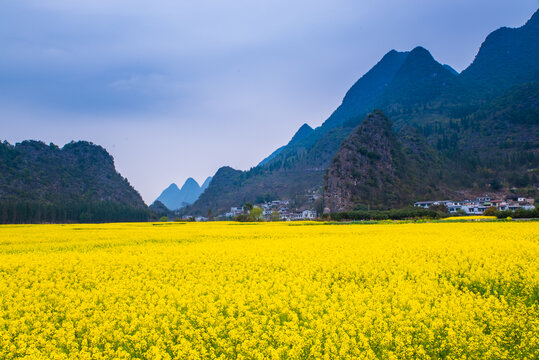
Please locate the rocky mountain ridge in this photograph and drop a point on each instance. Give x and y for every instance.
(440, 106)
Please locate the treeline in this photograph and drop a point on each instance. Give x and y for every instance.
(419, 213)
(518, 214)
(33, 212)
(398, 214)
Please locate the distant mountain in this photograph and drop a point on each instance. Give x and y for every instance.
(174, 198)
(448, 113)
(205, 184)
(45, 183)
(171, 197)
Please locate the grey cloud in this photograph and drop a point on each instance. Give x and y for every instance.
(195, 83)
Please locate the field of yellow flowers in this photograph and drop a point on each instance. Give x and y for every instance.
(270, 291)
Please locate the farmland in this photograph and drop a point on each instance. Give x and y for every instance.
(270, 291)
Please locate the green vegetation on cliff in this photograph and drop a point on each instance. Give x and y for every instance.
(76, 183)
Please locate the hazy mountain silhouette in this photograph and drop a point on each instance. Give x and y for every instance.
(175, 198)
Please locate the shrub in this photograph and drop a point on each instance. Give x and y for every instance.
(491, 211)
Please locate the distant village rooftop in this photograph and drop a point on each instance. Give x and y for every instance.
(481, 204)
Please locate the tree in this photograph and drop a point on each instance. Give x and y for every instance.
(441, 208)
(491, 211)
(163, 219)
(495, 185)
(247, 207)
(460, 212)
(275, 216)
(256, 214)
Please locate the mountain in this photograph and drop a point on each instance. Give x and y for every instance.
(506, 58)
(420, 79)
(158, 208)
(271, 156)
(303, 132)
(45, 183)
(367, 163)
(205, 184)
(378, 168)
(450, 69)
(448, 113)
(189, 192)
(171, 197)
(174, 198)
(362, 96)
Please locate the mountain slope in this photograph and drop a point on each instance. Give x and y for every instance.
(364, 164)
(494, 147)
(171, 197)
(76, 182)
(377, 168)
(440, 107)
(506, 58)
(300, 166)
(399, 81)
(303, 132)
(205, 184)
(271, 156)
(419, 80)
(362, 96)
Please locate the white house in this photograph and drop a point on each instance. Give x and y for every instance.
(236, 211)
(308, 215)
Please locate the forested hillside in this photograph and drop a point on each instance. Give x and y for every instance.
(480, 128)
(45, 183)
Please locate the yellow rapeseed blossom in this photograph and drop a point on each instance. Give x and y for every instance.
(471, 217)
(270, 291)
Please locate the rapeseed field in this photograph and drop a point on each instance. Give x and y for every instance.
(270, 291)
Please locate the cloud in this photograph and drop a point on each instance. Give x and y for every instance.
(201, 80)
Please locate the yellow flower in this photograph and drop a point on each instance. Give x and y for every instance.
(271, 291)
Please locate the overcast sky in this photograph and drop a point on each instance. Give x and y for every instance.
(174, 89)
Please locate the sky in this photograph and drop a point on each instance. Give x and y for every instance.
(177, 89)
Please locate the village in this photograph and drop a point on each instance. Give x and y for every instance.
(283, 210)
(481, 204)
(276, 210)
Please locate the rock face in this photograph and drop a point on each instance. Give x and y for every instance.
(378, 168)
(365, 165)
